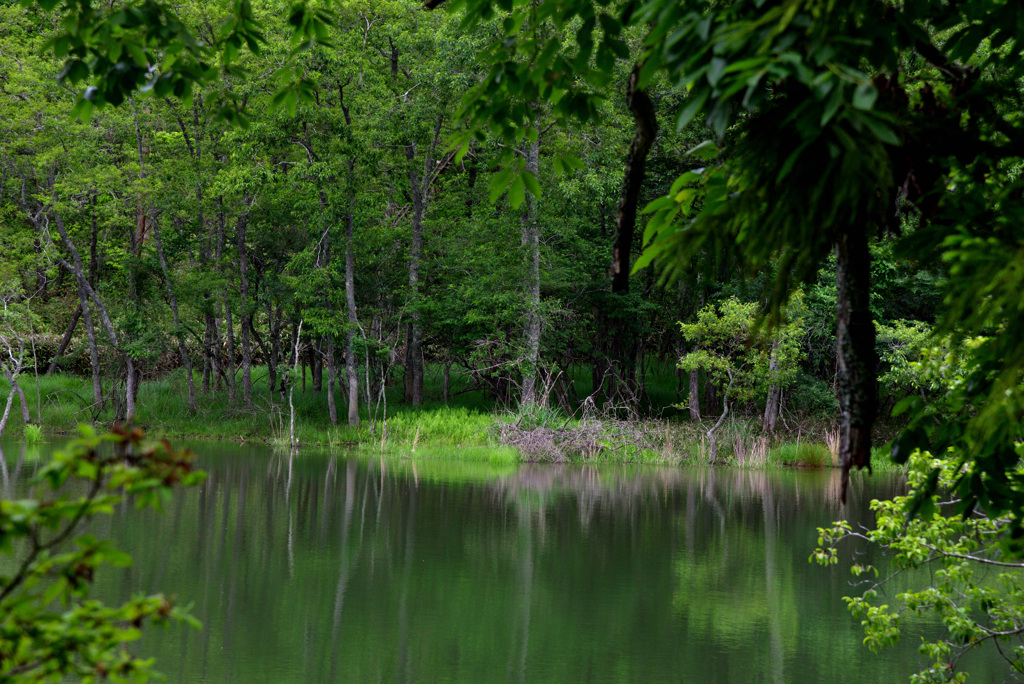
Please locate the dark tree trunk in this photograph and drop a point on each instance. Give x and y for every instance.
(245, 316)
(230, 331)
(855, 338)
(773, 407)
(623, 333)
(274, 333)
(316, 364)
(332, 379)
(83, 284)
(414, 332)
(531, 244)
(350, 305)
(209, 361)
(642, 108)
(66, 340)
(694, 403)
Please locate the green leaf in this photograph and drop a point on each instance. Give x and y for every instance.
(694, 104)
(517, 191)
(706, 150)
(881, 130)
(835, 101)
(864, 96)
(715, 70)
(532, 185)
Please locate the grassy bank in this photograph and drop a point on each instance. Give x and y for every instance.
(468, 424)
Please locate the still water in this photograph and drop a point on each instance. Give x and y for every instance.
(338, 568)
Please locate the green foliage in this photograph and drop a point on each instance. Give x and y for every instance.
(446, 425)
(735, 348)
(49, 627)
(803, 454)
(958, 572)
(33, 433)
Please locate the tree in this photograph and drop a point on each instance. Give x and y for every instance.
(49, 627)
(826, 142)
(744, 360)
(961, 575)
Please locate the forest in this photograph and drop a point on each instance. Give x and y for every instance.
(755, 233)
(181, 244)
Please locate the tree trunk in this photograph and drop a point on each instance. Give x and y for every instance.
(26, 415)
(710, 395)
(773, 407)
(245, 316)
(350, 305)
(694, 395)
(66, 340)
(83, 284)
(228, 320)
(316, 364)
(332, 378)
(209, 361)
(623, 334)
(531, 244)
(7, 412)
(230, 332)
(855, 338)
(418, 186)
(186, 362)
(642, 108)
(414, 332)
(274, 332)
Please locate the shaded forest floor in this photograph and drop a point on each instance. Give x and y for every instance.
(469, 427)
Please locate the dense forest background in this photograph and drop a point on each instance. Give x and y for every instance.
(646, 230)
(336, 228)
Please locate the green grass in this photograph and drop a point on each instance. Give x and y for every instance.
(33, 433)
(801, 454)
(464, 430)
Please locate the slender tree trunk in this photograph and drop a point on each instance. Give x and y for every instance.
(419, 184)
(186, 362)
(773, 407)
(26, 415)
(332, 379)
(209, 362)
(66, 340)
(7, 411)
(316, 364)
(94, 351)
(350, 305)
(858, 361)
(350, 338)
(623, 335)
(291, 406)
(230, 331)
(712, 440)
(414, 332)
(274, 332)
(83, 284)
(531, 244)
(245, 317)
(694, 389)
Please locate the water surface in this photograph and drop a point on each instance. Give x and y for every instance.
(338, 568)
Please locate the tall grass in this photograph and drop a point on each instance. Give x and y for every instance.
(466, 427)
(801, 454)
(33, 433)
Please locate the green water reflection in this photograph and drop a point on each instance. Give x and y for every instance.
(342, 569)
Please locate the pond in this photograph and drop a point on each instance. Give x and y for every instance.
(328, 568)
